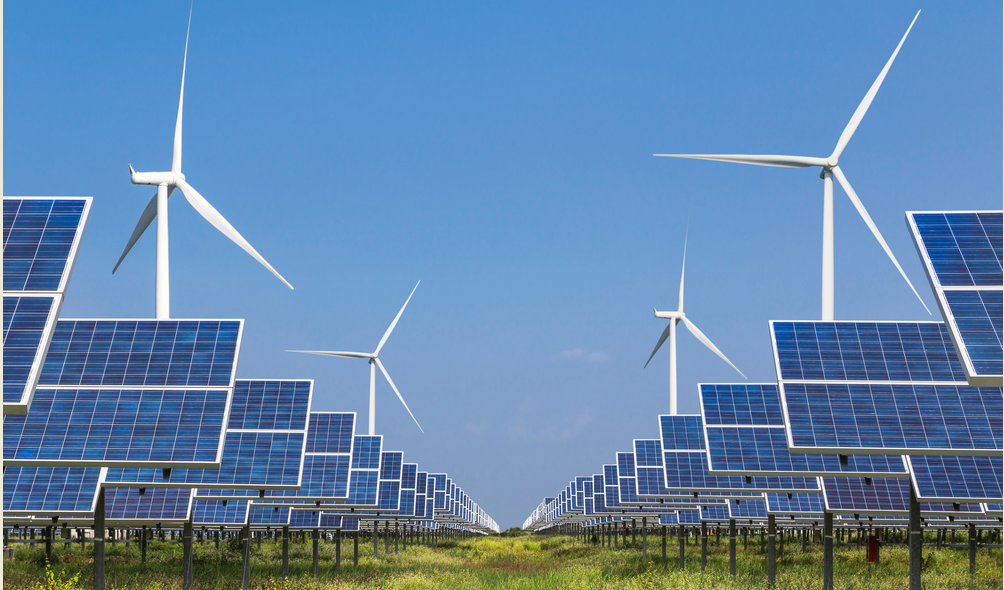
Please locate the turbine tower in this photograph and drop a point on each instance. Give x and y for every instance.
(374, 361)
(670, 332)
(157, 208)
(830, 169)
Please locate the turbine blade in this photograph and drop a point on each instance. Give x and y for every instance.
(866, 102)
(875, 231)
(394, 387)
(149, 214)
(338, 353)
(213, 216)
(707, 342)
(679, 307)
(176, 156)
(390, 329)
(665, 334)
(778, 161)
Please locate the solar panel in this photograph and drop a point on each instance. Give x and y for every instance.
(749, 508)
(260, 450)
(143, 353)
(880, 388)
(882, 496)
(961, 252)
(50, 491)
(125, 506)
(346, 524)
(268, 515)
(746, 436)
(40, 241)
(715, 512)
(389, 493)
(119, 427)
(946, 478)
(796, 504)
(994, 509)
(28, 323)
(220, 513)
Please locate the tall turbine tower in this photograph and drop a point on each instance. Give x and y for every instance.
(157, 207)
(374, 361)
(670, 332)
(830, 169)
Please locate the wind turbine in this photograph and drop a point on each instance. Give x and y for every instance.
(157, 207)
(374, 360)
(670, 332)
(829, 170)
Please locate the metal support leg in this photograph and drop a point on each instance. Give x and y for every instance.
(914, 540)
(704, 545)
(315, 537)
(285, 551)
(186, 542)
(99, 541)
(732, 547)
(663, 546)
(683, 540)
(246, 556)
(972, 552)
(355, 550)
(376, 539)
(772, 536)
(827, 551)
(644, 537)
(338, 549)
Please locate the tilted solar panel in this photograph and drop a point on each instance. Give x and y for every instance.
(746, 509)
(880, 388)
(268, 515)
(962, 253)
(270, 404)
(124, 506)
(28, 323)
(220, 513)
(946, 478)
(50, 491)
(882, 496)
(797, 504)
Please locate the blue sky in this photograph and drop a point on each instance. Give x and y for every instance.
(501, 153)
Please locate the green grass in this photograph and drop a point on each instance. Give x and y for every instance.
(524, 563)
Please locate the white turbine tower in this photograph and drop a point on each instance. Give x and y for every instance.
(829, 170)
(670, 332)
(374, 360)
(157, 207)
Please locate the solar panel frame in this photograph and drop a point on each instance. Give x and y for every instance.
(883, 497)
(80, 225)
(41, 349)
(962, 479)
(952, 253)
(50, 491)
(221, 512)
(164, 506)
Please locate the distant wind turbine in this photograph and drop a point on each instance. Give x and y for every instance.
(374, 360)
(157, 207)
(829, 170)
(670, 332)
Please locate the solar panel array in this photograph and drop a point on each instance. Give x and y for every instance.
(961, 252)
(40, 241)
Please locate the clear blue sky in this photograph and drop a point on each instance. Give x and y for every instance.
(501, 153)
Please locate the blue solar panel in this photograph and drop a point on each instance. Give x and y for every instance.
(651, 481)
(994, 509)
(28, 324)
(324, 477)
(420, 482)
(715, 512)
(755, 404)
(269, 515)
(946, 478)
(894, 418)
(865, 351)
(343, 523)
(648, 453)
(407, 506)
(40, 239)
(136, 428)
(45, 491)
(363, 488)
(330, 432)
(681, 433)
(625, 464)
(270, 405)
(749, 508)
(156, 505)
(366, 452)
(390, 465)
(304, 519)
(218, 512)
(688, 471)
(409, 476)
(852, 495)
(962, 255)
(389, 495)
(183, 353)
(798, 504)
(689, 516)
(977, 316)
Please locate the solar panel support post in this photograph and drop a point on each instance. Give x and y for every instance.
(915, 539)
(644, 537)
(704, 545)
(314, 538)
(732, 547)
(827, 551)
(285, 551)
(186, 544)
(771, 538)
(683, 540)
(664, 546)
(338, 549)
(99, 541)
(386, 538)
(376, 539)
(48, 544)
(246, 556)
(355, 549)
(397, 535)
(634, 534)
(972, 551)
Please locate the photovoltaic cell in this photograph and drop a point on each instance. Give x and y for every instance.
(731, 404)
(330, 432)
(270, 405)
(894, 418)
(947, 478)
(962, 255)
(220, 513)
(48, 491)
(681, 433)
(28, 324)
(409, 476)
(268, 515)
(40, 239)
(715, 512)
(157, 505)
(688, 472)
(325, 477)
(749, 508)
(366, 452)
(797, 504)
(142, 353)
(882, 496)
(129, 428)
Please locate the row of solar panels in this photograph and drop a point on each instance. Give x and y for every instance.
(149, 414)
(861, 413)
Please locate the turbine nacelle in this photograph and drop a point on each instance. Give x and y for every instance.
(155, 178)
(668, 315)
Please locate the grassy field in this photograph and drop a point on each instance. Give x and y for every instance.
(517, 563)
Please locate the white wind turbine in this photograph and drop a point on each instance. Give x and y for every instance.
(670, 332)
(829, 170)
(374, 360)
(157, 207)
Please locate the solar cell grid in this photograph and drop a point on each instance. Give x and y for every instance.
(686, 471)
(330, 432)
(979, 319)
(45, 491)
(681, 433)
(409, 476)
(882, 496)
(28, 324)
(324, 477)
(366, 452)
(217, 512)
(957, 479)
(648, 453)
(157, 505)
(625, 465)
(138, 353)
(268, 515)
(803, 504)
(40, 238)
(129, 428)
(753, 404)
(748, 509)
(270, 405)
(390, 465)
